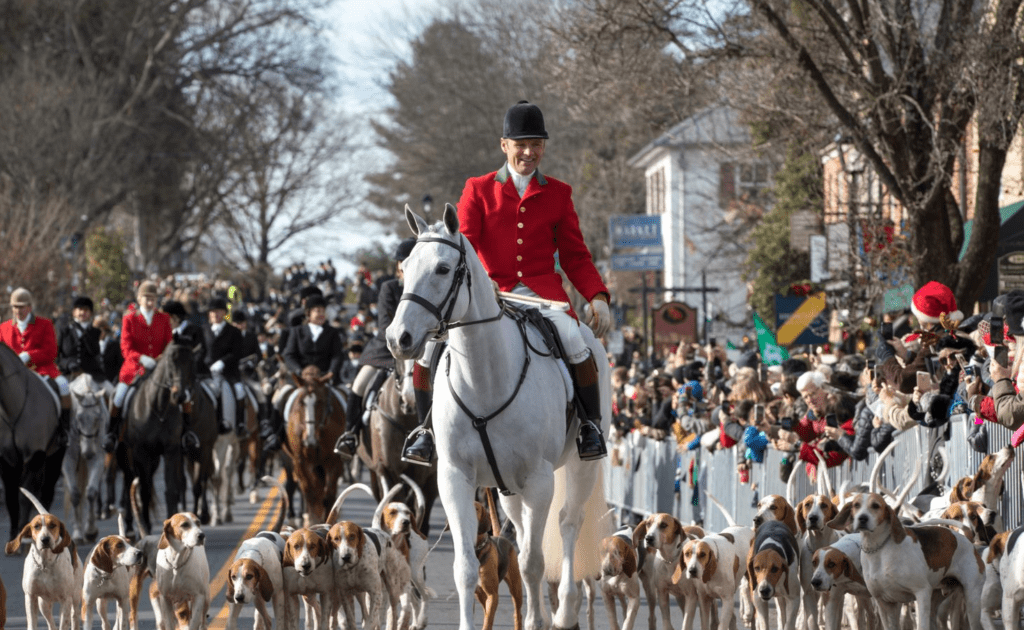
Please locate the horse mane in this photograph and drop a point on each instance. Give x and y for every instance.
(310, 376)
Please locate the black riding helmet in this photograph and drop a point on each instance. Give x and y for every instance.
(523, 120)
(403, 249)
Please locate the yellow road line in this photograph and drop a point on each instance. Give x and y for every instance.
(263, 515)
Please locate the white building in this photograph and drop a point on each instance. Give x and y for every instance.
(707, 185)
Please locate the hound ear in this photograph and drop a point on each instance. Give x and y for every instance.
(15, 544)
(165, 538)
(287, 559)
(65, 540)
(102, 557)
(450, 218)
(895, 526)
(711, 569)
(801, 516)
(842, 520)
(995, 549)
(629, 561)
(790, 519)
(415, 221)
(229, 592)
(639, 534)
(266, 586)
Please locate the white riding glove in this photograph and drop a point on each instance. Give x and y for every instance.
(147, 362)
(24, 357)
(217, 367)
(600, 317)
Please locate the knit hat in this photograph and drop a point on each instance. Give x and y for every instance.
(523, 120)
(931, 301)
(147, 287)
(21, 297)
(82, 302)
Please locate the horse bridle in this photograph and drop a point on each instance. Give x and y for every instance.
(440, 312)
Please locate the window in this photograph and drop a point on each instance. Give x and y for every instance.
(656, 192)
(753, 179)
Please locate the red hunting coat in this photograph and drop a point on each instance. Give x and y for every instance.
(138, 339)
(38, 340)
(516, 238)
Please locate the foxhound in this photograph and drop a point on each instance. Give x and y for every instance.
(773, 569)
(53, 571)
(907, 564)
(182, 573)
(358, 560)
(106, 578)
(620, 578)
(662, 536)
(308, 573)
(714, 564)
(775, 507)
(812, 517)
(837, 572)
(256, 577)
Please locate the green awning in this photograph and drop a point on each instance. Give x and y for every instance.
(1005, 214)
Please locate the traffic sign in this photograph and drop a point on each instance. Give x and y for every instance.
(801, 320)
(638, 262)
(634, 230)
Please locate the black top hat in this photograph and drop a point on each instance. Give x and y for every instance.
(314, 301)
(218, 304)
(172, 307)
(82, 302)
(238, 316)
(305, 292)
(404, 249)
(523, 120)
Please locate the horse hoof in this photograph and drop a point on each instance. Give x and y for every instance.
(229, 518)
(254, 497)
(576, 627)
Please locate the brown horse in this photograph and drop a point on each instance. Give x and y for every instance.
(392, 418)
(315, 421)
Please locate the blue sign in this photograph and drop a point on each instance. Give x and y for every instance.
(638, 262)
(816, 332)
(634, 230)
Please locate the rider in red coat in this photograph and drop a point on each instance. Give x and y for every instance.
(145, 332)
(35, 342)
(518, 220)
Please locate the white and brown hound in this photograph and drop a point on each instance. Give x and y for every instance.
(106, 578)
(773, 570)
(715, 564)
(256, 577)
(182, 575)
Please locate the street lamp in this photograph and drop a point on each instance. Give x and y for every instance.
(428, 204)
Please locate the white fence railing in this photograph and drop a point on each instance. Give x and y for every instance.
(645, 480)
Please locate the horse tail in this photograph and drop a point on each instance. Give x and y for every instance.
(136, 512)
(276, 527)
(587, 560)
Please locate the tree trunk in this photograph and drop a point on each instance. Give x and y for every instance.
(973, 270)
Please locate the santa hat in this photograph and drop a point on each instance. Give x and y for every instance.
(931, 301)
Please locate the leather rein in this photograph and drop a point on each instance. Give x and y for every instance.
(443, 313)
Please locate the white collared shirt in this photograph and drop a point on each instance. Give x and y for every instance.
(520, 181)
(315, 331)
(23, 323)
(148, 316)
(216, 328)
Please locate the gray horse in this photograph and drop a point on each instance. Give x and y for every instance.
(30, 454)
(153, 429)
(83, 462)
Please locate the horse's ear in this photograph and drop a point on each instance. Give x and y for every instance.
(415, 221)
(450, 219)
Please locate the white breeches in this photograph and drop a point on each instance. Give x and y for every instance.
(62, 385)
(576, 349)
(119, 393)
(228, 395)
(363, 379)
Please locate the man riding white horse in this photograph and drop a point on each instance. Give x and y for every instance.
(34, 341)
(517, 220)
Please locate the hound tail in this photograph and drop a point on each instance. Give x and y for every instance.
(721, 508)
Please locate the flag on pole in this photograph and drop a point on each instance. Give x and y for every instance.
(771, 352)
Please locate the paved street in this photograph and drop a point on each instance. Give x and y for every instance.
(222, 542)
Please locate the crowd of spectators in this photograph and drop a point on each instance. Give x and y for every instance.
(914, 369)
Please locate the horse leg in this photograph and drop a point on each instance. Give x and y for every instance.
(12, 497)
(232, 456)
(94, 467)
(110, 467)
(173, 474)
(570, 519)
(457, 496)
(536, 502)
(51, 474)
(69, 470)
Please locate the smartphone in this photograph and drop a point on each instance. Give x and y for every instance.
(924, 382)
(759, 413)
(886, 331)
(712, 342)
(764, 373)
(832, 421)
(786, 423)
(995, 333)
(1000, 354)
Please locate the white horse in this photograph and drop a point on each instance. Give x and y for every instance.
(83, 462)
(490, 369)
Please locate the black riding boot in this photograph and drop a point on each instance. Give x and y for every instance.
(190, 444)
(349, 441)
(240, 429)
(110, 439)
(270, 428)
(64, 428)
(590, 442)
(419, 446)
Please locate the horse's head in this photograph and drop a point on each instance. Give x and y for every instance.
(312, 401)
(176, 370)
(437, 283)
(89, 423)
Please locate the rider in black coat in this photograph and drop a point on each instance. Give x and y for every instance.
(222, 343)
(78, 343)
(326, 351)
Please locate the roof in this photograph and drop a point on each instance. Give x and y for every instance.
(717, 125)
(1005, 214)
